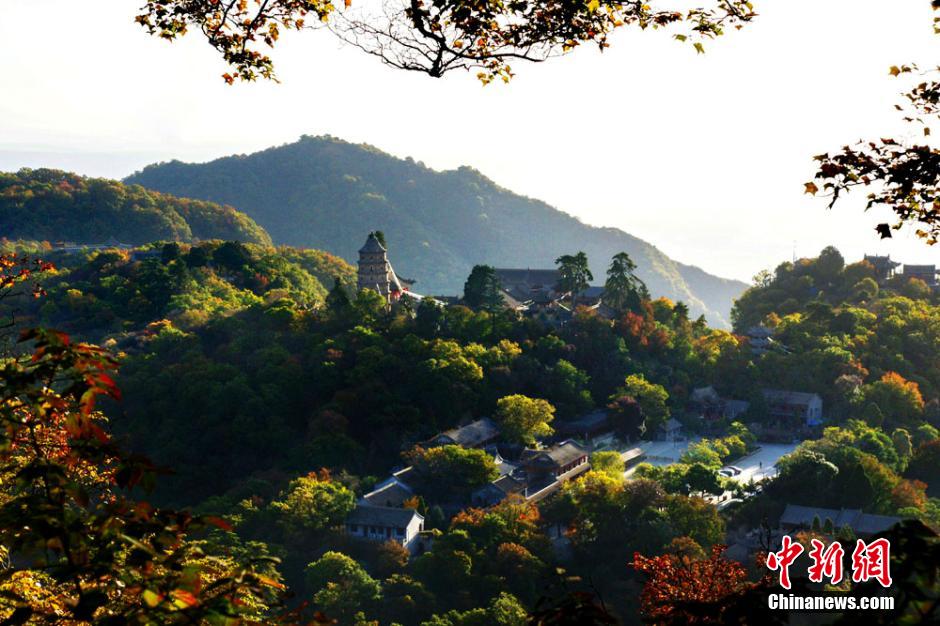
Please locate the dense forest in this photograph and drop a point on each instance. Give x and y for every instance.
(55, 206)
(115, 294)
(204, 424)
(443, 223)
(275, 395)
(831, 317)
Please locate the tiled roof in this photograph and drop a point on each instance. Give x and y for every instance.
(866, 523)
(737, 407)
(759, 331)
(704, 394)
(585, 423)
(672, 424)
(393, 494)
(372, 245)
(789, 397)
(508, 484)
(503, 466)
(881, 260)
(524, 285)
(560, 455)
(473, 434)
(383, 516)
(535, 278)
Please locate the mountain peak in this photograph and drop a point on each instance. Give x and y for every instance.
(325, 192)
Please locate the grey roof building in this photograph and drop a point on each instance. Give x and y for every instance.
(380, 523)
(381, 516)
(473, 435)
(390, 493)
(863, 524)
(671, 429)
(926, 273)
(498, 490)
(525, 284)
(554, 461)
(884, 266)
(805, 407)
(590, 423)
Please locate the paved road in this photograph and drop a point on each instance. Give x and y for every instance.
(757, 466)
(762, 464)
(664, 452)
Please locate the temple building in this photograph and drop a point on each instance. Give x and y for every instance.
(381, 524)
(376, 272)
(523, 287)
(794, 406)
(926, 273)
(884, 266)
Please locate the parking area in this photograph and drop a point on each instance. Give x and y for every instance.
(664, 452)
(762, 464)
(757, 466)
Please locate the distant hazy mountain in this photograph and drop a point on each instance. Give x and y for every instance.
(51, 205)
(327, 193)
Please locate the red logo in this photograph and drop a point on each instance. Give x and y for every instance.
(827, 563)
(784, 559)
(872, 560)
(869, 561)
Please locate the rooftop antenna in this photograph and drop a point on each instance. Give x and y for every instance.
(794, 251)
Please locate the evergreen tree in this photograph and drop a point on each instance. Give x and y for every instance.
(337, 301)
(482, 287)
(170, 252)
(575, 274)
(492, 295)
(624, 289)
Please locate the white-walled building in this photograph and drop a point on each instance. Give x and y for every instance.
(382, 523)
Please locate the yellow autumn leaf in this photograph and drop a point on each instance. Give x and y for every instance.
(151, 598)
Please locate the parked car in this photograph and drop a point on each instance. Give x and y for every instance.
(727, 473)
(733, 471)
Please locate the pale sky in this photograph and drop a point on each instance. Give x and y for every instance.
(704, 156)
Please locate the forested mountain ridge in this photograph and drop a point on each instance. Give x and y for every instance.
(52, 205)
(116, 295)
(325, 193)
(836, 323)
(277, 406)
